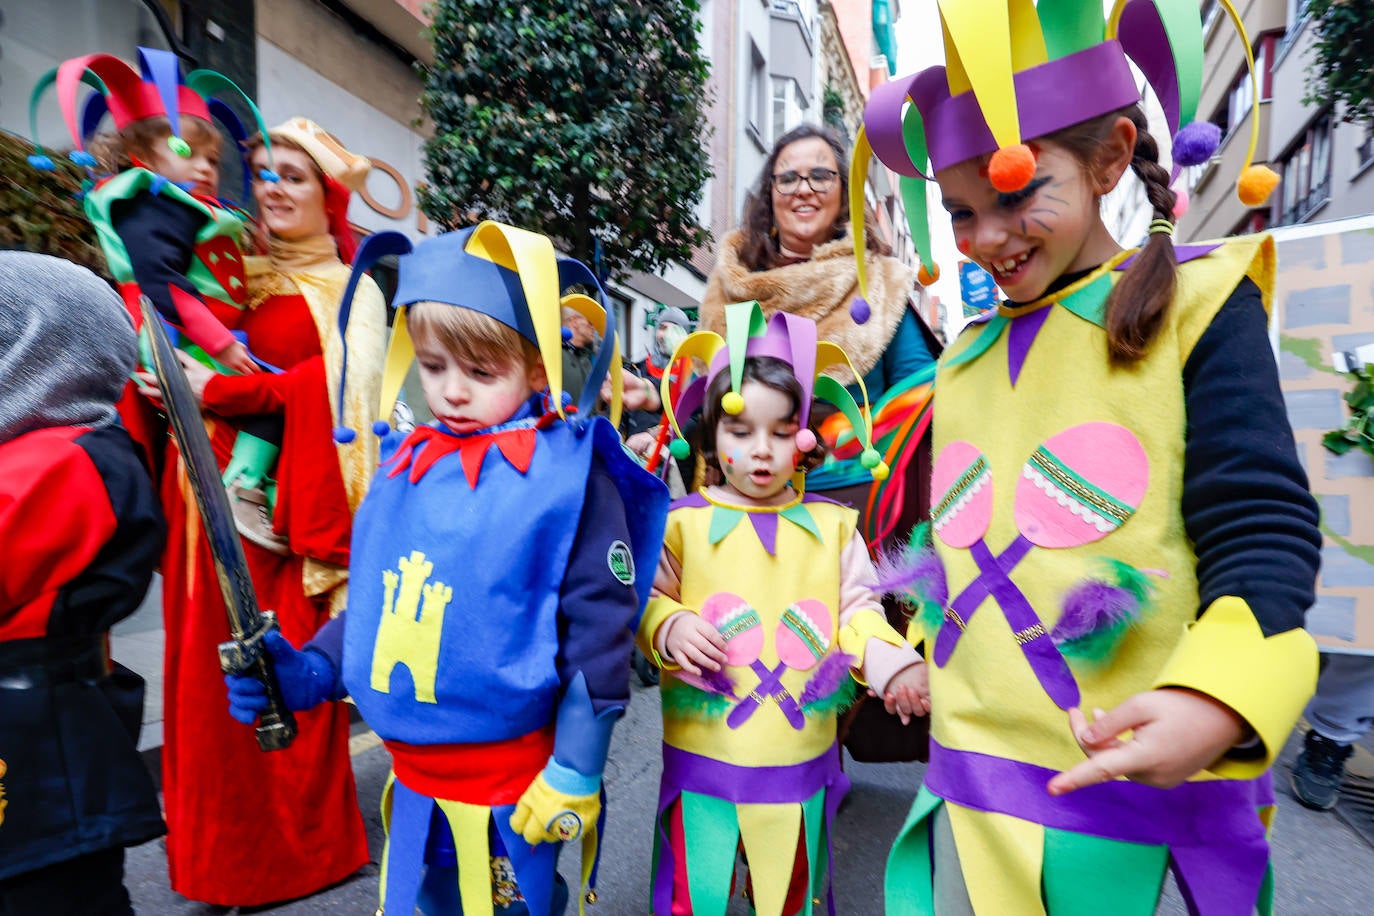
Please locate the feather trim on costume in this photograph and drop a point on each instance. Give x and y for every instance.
(691, 702)
(710, 681)
(841, 699)
(1097, 612)
(830, 678)
(915, 574)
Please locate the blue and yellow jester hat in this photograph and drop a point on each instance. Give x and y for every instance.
(1016, 70)
(510, 274)
(790, 338)
(157, 88)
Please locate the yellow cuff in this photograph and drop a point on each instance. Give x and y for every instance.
(1266, 680)
(854, 636)
(656, 614)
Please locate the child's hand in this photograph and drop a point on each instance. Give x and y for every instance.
(1174, 734)
(908, 693)
(641, 443)
(693, 643)
(235, 356)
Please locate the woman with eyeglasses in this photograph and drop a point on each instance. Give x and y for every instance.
(795, 253)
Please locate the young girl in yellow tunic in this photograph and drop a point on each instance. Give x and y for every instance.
(762, 610)
(1122, 528)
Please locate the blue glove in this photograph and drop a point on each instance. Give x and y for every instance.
(307, 678)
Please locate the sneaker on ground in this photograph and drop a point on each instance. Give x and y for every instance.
(1319, 770)
(254, 519)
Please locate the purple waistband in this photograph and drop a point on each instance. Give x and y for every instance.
(688, 772)
(1217, 845)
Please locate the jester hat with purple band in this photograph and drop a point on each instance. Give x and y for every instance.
(789, 338)
(1017, 70)
(156, 89)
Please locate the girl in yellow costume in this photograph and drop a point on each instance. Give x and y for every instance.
(1121, 525)
(762, 609)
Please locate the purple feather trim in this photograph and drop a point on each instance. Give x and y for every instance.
(913, 571)
(834, 668)
(710, 681)
(1093, 606)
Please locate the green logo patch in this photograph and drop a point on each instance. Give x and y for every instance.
(621, 562)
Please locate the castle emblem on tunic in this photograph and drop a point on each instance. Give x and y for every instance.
(412, 622)
(3, 804)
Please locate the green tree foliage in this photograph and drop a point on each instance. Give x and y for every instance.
(1341, 71)
(581, 119)
(41, 209)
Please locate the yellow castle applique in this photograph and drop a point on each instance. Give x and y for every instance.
(3, 804)
(408, 633)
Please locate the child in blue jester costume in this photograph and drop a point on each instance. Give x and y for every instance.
(762, 619)
(500, 563)
(165, 233)
(1122, 548)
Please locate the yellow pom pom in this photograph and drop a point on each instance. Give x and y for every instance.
(1256, 184)
(1011, 168)
(880, 471)
(732, 403)
(927, 277)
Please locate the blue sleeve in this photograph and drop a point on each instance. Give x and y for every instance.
(159, 237)
(595, 607)
(1246, 505)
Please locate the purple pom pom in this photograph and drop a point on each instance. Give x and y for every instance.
(1196, 142)
(860, 311)
(343, 435)
(567, 334)
(380, 428)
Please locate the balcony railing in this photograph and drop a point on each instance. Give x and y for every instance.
(1303, 208)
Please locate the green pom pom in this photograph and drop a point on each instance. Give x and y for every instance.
(179, 146)
(870, 458)
(679, 449)
(732, 403)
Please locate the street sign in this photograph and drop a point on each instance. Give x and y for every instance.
(977, 289)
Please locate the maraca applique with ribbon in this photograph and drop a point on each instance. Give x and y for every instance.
(804, 638)
(1076, 488)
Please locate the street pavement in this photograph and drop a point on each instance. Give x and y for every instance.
(1324, 867)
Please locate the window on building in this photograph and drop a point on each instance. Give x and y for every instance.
(1306, 172)
(1365, 151)
(789, 105)
(756, 101)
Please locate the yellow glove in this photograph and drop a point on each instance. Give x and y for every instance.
(558, 806)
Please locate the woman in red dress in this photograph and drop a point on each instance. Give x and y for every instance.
(236, 831)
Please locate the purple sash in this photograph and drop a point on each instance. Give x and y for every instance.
(1218, 851)
(684, 771)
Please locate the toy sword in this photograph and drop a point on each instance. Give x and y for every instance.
(242, 654)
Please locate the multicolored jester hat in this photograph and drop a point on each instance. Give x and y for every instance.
(155, 89)
(1017, 70)
(789, 338)
(510, 274)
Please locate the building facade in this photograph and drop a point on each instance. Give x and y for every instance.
(1324, 161)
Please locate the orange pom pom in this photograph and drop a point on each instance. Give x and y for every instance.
(1256, 184)
(927, 277)
(1011, 168)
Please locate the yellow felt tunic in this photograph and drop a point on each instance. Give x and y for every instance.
(804, 567)
(986, 698)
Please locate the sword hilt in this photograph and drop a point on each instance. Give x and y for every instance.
(276, 727)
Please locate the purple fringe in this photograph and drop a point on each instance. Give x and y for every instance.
(1093, 606)
(834, 668)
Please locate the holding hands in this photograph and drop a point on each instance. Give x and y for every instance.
(1174, 734)
(908, 693)
(693, 643)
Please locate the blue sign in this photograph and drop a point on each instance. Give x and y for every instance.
(977, 288)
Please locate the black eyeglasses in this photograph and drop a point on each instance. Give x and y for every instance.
(820, 181)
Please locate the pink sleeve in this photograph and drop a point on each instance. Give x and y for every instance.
(199, 323)
(857, 580)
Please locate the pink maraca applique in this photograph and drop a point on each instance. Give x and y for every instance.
(804, 634)
(738, 623)
(1080, 485)
(961, 494)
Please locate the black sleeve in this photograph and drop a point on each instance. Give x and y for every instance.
(159, 235)
(595, 606)
(1246, 505)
